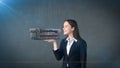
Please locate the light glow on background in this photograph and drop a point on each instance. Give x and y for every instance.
(6, 8)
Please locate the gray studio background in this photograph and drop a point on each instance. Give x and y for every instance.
(98, 23)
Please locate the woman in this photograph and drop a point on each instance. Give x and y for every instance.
(73, 49)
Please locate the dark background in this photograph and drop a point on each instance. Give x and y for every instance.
(98, 20)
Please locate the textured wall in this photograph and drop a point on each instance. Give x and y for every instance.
(98, 23)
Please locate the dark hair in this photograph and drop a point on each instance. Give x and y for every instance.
(73, 23)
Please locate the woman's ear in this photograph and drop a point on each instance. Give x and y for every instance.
(73, 28)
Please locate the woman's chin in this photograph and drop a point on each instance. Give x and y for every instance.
(65, 34)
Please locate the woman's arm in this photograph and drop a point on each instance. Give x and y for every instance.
(58, 52)
(83, 54)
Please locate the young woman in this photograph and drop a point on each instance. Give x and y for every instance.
(73, 49)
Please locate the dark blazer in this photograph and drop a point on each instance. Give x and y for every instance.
(77, 55)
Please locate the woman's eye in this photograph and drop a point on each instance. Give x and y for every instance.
(66, 26)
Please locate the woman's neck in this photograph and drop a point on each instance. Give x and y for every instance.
(70, 36)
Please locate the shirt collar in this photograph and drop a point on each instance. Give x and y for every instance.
(72, 39)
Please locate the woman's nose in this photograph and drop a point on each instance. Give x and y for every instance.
(63, 28)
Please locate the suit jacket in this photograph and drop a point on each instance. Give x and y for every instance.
(77, 55)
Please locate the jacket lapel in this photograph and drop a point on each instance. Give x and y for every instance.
(65, 47)
(72, 47)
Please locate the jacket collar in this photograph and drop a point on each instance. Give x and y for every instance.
(73, 39)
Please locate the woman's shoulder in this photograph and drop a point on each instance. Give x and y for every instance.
(82, 41)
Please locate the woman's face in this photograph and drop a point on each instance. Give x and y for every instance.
(67, 29)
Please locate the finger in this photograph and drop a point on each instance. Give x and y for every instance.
(46, 40)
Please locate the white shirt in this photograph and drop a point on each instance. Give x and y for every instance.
(69, 44)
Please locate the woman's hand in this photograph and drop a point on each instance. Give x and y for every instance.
(50, 40)
(55, 46)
